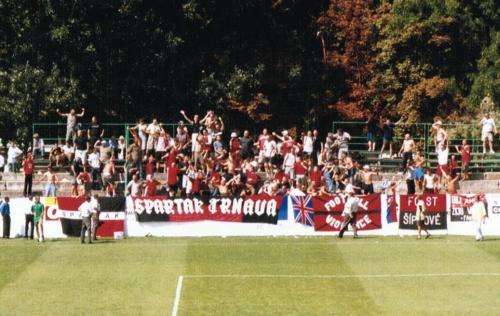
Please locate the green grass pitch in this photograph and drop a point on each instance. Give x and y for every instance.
(252, 276)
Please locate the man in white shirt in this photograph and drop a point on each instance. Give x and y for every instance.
(94, 161)
(12, 155)
(350, 210)
(488, 130)
(479, 215)
(134, 186)
(85, 212)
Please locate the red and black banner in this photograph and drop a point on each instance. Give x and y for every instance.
(435, 211)
(461, 205)
(252, 209)
(111, 217)
(328, 212)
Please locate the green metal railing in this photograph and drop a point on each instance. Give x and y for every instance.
(421, 133)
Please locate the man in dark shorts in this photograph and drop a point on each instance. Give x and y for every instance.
(387, 135)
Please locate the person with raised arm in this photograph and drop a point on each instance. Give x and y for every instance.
(71, 123)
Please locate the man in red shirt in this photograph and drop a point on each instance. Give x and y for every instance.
(172, 172)
(150, 185)
(301, 169)
(28, 174)
(252, 179)
(464, 152)
(316, 176)
(84, 178)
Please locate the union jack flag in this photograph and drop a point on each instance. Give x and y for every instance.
(303, 210)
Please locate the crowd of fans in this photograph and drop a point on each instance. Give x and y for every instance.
(200, 159)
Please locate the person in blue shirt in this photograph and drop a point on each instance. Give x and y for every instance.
(5, 211)
(387, 135)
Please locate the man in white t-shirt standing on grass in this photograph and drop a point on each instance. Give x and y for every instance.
(479, 215)
(488, 131)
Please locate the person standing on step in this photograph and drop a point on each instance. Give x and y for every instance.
(464, 152)
(71, 123)
(407, 149)
(28, 174)
(488, 131)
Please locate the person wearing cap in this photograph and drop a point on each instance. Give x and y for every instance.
(38, 146)
(488, 131)
(441, 134)
(349, 213)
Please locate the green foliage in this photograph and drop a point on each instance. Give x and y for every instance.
(487, 80)
(248, 60)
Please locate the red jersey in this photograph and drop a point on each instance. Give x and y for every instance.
(84, 176)
(151, 187)
(465, 155)
(170, 159)
(316, 176)
(234, 144)
(252, 177)
(195, 185)
(299, 168)
(281, 176)
(287, 147)
(172, 175)
(150, 168)
(28, 166)
(215, 177)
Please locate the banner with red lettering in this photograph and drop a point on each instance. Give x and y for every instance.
(461, 205)
(435, 211)
(328, 212)
(251, 209)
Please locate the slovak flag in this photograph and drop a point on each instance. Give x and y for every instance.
(392, 215)
(303, 210)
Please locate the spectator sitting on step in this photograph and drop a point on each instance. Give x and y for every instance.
(55, 155)
(38, 146)
(68, 152)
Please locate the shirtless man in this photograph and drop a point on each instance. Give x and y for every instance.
(407, 149)
(441, 134)
(108, 173)
(52, 179)
(368, 180)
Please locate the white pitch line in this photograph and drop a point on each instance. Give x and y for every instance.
(177, 299)
(341, 276)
